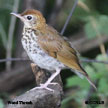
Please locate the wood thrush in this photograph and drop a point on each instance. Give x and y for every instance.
(47, 48)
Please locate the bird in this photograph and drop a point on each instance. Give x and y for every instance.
(47, 48)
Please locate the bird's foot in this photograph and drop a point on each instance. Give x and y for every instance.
(42, 87)
(53, 83)
(45, 86)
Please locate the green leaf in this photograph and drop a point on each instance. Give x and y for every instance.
(1, 103)
(100, 67)
(93, 74)
(76, 81)
(98, 107)
(103, 23)
(90, 70)
(103, 86)
(89, 30)
(96, 25)
(102, 57)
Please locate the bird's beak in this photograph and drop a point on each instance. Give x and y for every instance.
(17, 15)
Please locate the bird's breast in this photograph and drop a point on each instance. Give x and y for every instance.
(36, 54)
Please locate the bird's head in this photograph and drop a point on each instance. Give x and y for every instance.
(31, 18)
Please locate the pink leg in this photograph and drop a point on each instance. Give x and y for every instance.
(49, 80)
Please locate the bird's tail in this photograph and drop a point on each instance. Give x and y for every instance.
(87, 77)
(93, 85)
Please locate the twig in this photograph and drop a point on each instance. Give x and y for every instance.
(69, 17)
(13, 59)
(38, 98)
(48, 99)
(25, 59)
(42, 75)
(10, 36)
(94, 61)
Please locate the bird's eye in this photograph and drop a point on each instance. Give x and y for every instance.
(29, 17)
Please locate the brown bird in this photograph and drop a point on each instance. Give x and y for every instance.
(47, 48)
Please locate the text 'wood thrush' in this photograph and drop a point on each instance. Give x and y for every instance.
(47, 48)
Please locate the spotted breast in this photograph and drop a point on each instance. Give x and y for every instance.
(36, 54)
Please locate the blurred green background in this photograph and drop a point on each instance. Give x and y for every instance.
(88, 32)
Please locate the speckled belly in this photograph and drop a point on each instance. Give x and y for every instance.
(38, 56)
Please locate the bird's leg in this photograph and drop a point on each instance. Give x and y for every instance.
(48, 82)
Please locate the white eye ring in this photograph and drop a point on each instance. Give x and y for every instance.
(29, 17)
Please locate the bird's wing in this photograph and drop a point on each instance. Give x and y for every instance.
(57, 47)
